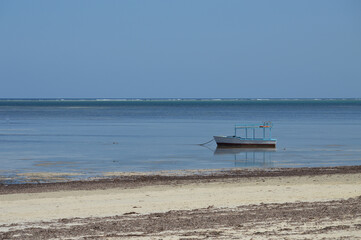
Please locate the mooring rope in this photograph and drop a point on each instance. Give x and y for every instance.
(206, 142)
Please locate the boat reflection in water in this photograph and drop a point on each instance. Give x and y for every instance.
(247, 157)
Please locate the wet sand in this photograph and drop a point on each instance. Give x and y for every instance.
(303, 203)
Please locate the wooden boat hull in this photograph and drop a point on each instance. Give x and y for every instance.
(231, 141)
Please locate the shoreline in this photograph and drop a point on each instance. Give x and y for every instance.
(293, 203)
(138, 179)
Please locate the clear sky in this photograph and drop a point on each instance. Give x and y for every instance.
(187, 48)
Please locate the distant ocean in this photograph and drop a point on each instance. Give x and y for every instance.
(92, 136)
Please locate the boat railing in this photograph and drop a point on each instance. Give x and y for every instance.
(253, 127)
(264, 125)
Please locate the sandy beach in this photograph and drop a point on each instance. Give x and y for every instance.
(303, 203)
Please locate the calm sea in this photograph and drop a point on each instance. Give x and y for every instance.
(92, 136)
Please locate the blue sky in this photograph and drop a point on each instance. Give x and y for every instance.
(163, 49)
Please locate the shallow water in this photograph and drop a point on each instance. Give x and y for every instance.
(94, 136)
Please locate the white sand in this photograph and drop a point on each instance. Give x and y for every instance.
(25, 207)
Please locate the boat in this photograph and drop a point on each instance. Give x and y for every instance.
(247, 141)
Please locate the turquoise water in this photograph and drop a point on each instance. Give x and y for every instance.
(92, 136)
